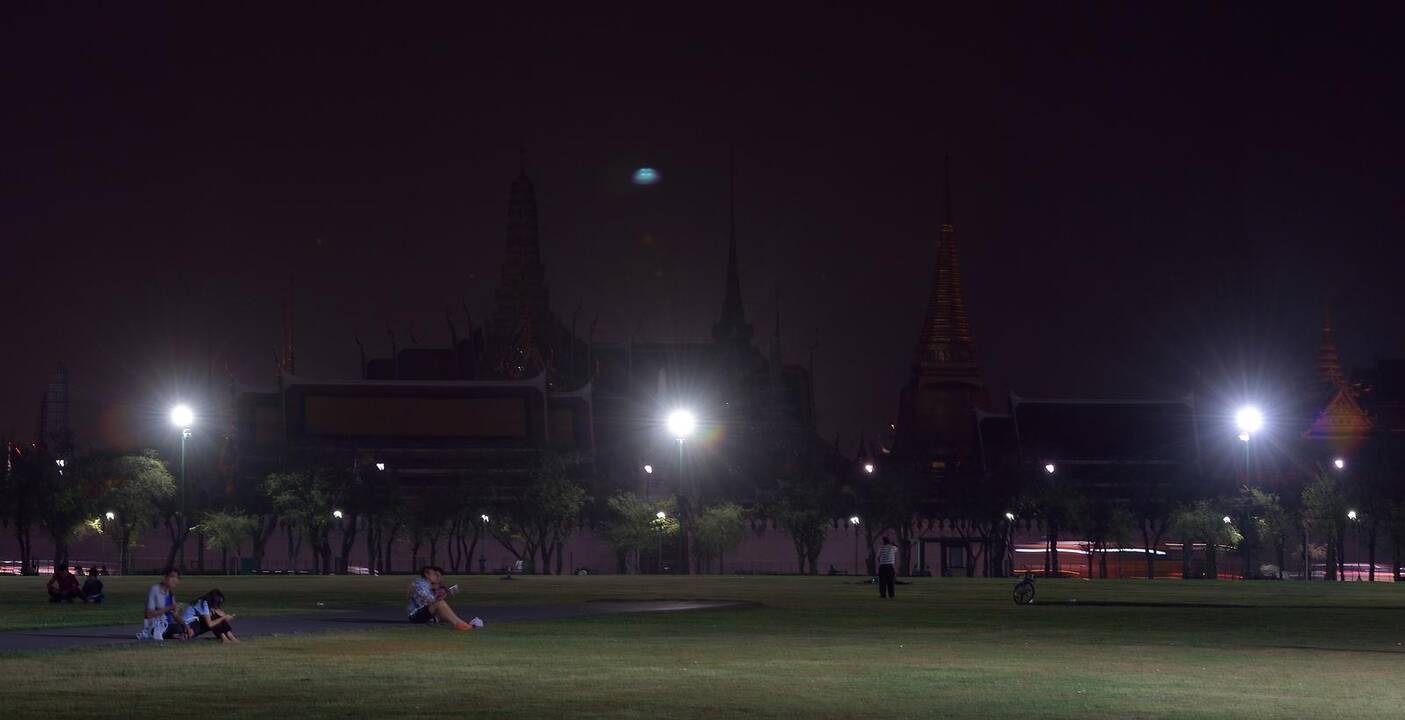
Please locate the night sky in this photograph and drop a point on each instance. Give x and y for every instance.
(168, 174)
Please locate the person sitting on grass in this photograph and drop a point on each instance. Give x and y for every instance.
(427, 603)
(206, 614)
(92, 588)
(162, 623)
(63, 586)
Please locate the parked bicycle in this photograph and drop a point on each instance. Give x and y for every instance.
(1024, 590)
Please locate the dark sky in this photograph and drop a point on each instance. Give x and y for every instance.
(166, 174)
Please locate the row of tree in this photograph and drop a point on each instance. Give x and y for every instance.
(328, 503)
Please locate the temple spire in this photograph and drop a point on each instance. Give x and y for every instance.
(947, 224)
(732, 325)
(522, 302)
(946, 331)
(1329, 363)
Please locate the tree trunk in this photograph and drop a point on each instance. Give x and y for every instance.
(263, 531)
(178, 535)
(348, 539)
(1371, 555)
(25, 541)
(1212, 569)
(200, 551)
(1395, 559)
(1307, 558)
(1102, 562)
(1330, 573)
(1187, 547)
(124, 552)
(1092, 553)
(373, 544)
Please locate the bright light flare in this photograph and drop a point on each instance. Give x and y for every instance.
(1010, 516)
(337, 514)
(681, 423)
(182, 416)
(853, 519)
(1340, 463)
(646, 176)
(110, 516)
(1351, 515)
(648, 469)
(1227, 520)
(1248, 419)
(1049, 468)
(868, 468)
(661, 515)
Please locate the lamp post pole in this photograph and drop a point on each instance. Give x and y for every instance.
(185, 433)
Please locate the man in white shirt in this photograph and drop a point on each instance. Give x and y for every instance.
(161, 620)
(887, 569)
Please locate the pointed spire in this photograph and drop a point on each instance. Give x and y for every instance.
(948, 225)
(522, 306)
(732, 325)
(1329, 363)
(946, 331)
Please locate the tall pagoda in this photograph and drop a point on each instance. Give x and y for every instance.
(936, 418)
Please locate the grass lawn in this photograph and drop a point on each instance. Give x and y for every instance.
(811, 647)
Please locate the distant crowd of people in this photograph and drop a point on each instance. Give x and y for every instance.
(166, 619)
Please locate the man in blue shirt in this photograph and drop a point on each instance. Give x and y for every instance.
(426, 601)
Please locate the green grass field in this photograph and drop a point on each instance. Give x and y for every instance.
(808, 647)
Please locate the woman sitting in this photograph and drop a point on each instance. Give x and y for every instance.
(206, 614)
(427, 604)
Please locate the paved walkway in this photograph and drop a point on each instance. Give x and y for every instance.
(343, 619)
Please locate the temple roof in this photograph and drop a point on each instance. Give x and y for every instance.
(946, 332)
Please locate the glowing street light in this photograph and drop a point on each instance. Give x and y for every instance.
(1340, 463)
(648, 469)
(337, 514)
(1351, 515)
(182, 416)
(661, 515)
(484, 518)
(868, 468)
(1009, 516)
(681, 424)
(110, 516)
(1049, 468)
(1249, 420)
(1227, 520)
(380, 466)
(853, 519)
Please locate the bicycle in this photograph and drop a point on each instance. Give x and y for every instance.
(1024, 590)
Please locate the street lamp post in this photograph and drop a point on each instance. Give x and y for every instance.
(1350, 515)
(854, 520)
(1248, 420)
(183, 417)
(660, 517)
(681, 423)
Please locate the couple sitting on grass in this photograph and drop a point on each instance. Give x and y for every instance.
(167, 619)
(427, 600)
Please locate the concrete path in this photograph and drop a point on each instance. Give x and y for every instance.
(343, 619)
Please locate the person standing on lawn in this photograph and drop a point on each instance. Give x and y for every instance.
(887, 569)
